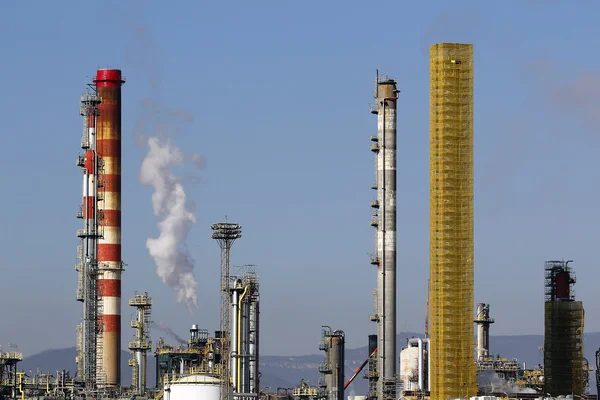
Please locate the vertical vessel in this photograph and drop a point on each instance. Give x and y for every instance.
(483, 321)
(386, 96)
(108, 84)
(245, 331)
(332, 368)
(453, 366)
(564, 372)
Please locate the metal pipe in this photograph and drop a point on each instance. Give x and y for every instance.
(421, 345)
(253, 363)
(244, 347)
(359, 369)
(239, 338)
(234, 332)
(421, 372)
(428, 365)
(141, 371)
(251, 345)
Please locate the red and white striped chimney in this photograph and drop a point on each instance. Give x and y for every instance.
(108, 144)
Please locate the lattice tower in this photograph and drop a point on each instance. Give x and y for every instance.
(225, 234)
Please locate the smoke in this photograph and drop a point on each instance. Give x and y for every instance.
(155, 130)
(490, 382)
(580, 97)
(571, 92)
(173, 263)
(164, 328)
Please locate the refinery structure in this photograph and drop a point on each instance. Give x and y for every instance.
(451, 360)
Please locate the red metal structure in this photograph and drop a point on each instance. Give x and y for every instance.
(562, 281)
(359, 369)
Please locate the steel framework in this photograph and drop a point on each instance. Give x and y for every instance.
(453, 366)
(9, 376)
(142, 343)
(225, 234)
(89, 369)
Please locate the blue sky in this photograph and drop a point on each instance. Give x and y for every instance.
(279, 94)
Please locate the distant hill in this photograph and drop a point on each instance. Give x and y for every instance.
(287, 371)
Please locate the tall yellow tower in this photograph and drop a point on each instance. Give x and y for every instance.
(453, 370)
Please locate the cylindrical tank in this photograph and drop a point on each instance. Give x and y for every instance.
(108, 143)
(409, 367)
(193, 387)
(335, 352)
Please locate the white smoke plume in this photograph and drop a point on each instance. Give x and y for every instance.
(490, 382)
(154, 129)
(169, 201)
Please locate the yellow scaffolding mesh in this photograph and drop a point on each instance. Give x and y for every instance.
(563, 348)
(453, 368)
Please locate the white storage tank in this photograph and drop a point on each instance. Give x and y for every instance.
(409, 367)
(194, 387)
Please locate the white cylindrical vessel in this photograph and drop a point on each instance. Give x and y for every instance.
(195, 387)
(409, 367)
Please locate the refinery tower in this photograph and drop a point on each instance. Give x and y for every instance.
(100, 265)
(384, 221)
(453, 371)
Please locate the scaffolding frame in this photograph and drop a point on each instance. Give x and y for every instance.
(453, 369)
(564, 364)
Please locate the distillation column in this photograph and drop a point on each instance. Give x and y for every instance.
(142, 344)
(386, 96)
(253, 310)
(236, 291)
(108, 83)
(333, 344)
(483, 322)
(249, 330)
(244, 332)
(453, 369)
(87, 258)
